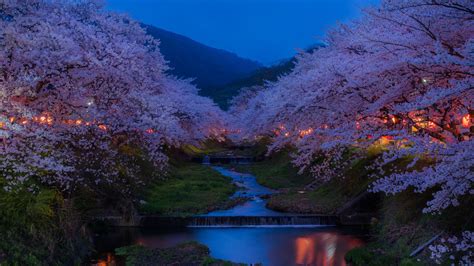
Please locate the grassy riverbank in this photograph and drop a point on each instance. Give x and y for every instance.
(189, 253)
(188, 189)
(326, 198)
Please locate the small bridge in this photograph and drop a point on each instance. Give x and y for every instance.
(225, 160)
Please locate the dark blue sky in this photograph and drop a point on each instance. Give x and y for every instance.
(263, 30)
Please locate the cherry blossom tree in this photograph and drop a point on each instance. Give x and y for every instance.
(403, 75)
(462, 245)
(77, 85)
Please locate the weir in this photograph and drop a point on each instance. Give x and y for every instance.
(263, 221)
(224, 221)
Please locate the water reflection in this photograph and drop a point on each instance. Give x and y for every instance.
(270, 246)
(325, 249)
(107, 259)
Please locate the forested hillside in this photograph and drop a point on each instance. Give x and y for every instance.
(209, 66)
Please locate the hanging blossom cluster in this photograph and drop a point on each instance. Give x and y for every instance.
(78, 85)
(463, 245)
(403, 76)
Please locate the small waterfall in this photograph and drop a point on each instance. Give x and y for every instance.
(206, 160)
(262, 221)
(225, 221)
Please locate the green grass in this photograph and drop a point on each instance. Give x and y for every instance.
(189, 189)
(325, 199)
(188, 253)
(328, 197)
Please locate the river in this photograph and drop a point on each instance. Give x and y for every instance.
(288, 245)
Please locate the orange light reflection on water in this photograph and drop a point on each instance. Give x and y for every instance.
(109, 261)
(323, 249)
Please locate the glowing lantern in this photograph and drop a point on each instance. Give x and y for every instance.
(306, 132)
(78, 122)
(466, 121)
(103, 127)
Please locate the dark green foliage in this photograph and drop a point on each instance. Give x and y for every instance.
(365, 257)
(223, 94)
(39, 228)
(403, 227)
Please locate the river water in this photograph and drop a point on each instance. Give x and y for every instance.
(277, 246)
(248, 188)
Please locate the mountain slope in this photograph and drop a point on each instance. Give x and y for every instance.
(209, 66)
(223, 94)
